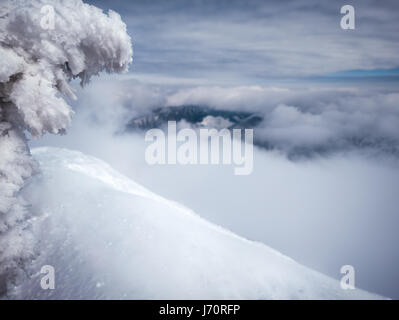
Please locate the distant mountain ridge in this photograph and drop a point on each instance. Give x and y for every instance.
(195, 115)
(199, 116)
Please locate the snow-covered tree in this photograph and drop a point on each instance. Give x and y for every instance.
(44, 45)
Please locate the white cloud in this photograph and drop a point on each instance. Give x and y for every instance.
(260, 39)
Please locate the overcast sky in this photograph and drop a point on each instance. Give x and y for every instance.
(257, 40)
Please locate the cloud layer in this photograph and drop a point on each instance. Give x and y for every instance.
(324, 211)
(257, 40)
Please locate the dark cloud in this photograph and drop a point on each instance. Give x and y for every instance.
(258, 39)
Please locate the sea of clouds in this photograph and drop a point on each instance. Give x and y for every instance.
(325, 209)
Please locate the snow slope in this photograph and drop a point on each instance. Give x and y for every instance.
(108, 237)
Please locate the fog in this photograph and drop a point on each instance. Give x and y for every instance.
(324, 211)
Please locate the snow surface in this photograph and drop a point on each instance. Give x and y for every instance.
(110, 238)
(36, 65)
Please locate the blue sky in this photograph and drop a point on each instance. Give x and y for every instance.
(256, 41)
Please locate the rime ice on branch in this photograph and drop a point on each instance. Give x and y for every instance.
(36, 66)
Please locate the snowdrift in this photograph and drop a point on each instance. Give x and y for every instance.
(110, 238)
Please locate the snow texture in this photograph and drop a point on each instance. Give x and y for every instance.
(38, 60)
(108, 237)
